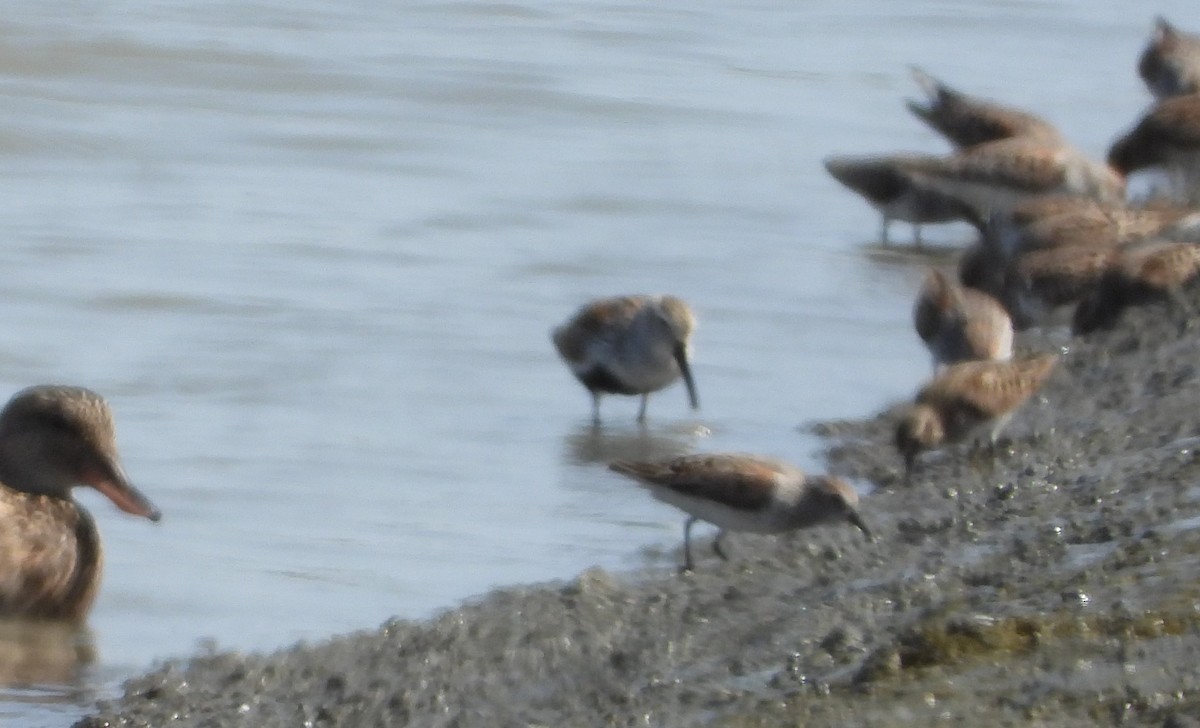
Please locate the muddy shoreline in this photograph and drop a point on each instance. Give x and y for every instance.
(1053, 585)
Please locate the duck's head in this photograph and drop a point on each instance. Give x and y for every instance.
(54, 437)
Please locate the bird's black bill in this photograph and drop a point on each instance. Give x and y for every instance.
(685, 369)
(861, 525)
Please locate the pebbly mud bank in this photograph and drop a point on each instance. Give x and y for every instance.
(1055, 584)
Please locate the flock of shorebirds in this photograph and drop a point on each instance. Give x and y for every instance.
(1056, 232)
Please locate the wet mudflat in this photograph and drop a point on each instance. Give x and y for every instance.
(1055, 585)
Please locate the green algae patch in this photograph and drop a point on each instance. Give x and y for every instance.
(954, 641)
(955, 666)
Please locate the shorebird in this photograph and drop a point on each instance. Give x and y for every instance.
(53, 438)
(1040, 282)
(1111, 227)
(960, 324)
(1136, 274)
(996, 176)
(745, 493)
(629, 345)
(884, 182)
(967, 398)
(1166, 139)
(967, 121)
(976, 183)
(1170, 65)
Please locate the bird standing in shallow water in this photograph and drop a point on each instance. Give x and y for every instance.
(629, 345)
(744, 493)
(53, 438)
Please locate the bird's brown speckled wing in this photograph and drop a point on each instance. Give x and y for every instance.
(49, 557)
(738, 481)
(1016, 163)
(1063, 275)
(991, 388)
(1161, 265)
(594, 320)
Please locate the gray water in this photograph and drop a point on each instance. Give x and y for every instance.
(311, 252)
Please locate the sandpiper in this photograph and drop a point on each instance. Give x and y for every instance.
(1139, 273)
(738, 492)
(1170, 65)
(960, 324)
(1039, 283)
(53, 438)
(1101, 228)
(883, 181)
(629, 345)
(998, 175)
(967, 121)
(966, 398)
(1166, 139)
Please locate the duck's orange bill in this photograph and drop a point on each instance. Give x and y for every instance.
(124, 495)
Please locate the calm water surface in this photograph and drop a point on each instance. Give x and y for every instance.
(312, 252)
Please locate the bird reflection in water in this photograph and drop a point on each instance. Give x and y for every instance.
(591, 444)
(49, 656)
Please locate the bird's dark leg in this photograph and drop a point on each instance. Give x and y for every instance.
(717, 548)
(687, 543)
(1181, 302)
(596, 408)
(642, 409)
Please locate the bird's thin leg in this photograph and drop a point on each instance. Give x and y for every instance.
(917, 236)
(883, 231)
(642, 409)
(1180, 301)
(687, 543)
(596, 408)
(718, 549)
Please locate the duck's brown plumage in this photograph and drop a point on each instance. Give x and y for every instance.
(52, 438)
(50, 557)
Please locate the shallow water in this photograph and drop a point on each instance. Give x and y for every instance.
(312, 255)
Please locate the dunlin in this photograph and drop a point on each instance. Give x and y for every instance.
(996, 176)
(1167, 139)
(1117, 225)
(1170, 65)
(884, 182)
(1040, 282)
(967, 121)
(967, 398)
(629, 345)
(960, 324)
(1139, 273)
(1005, 229)
(53, 438)
(745, 493)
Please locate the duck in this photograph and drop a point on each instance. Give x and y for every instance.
(52, 439)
